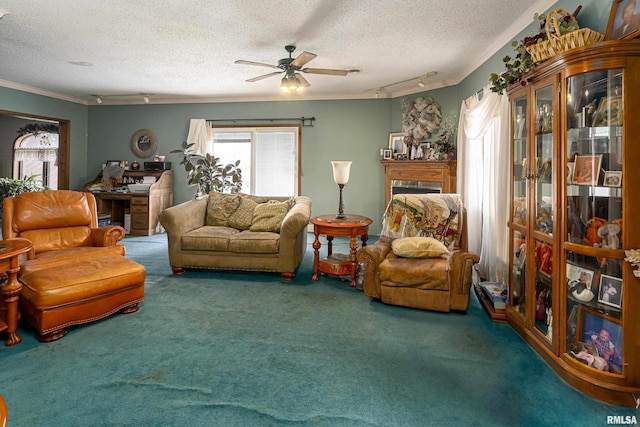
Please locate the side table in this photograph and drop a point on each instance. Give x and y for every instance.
(330, 226)
(10, 251)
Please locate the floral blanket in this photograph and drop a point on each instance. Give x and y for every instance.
(427, 215)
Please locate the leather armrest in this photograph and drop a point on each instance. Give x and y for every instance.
(460, 264)
(109, 235)
(372, 256)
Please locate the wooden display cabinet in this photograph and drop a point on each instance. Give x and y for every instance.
(574, 212)
(144, 208)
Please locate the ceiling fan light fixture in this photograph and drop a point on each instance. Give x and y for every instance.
(290, 83)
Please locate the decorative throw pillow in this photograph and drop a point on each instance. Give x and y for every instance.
(268, 216)
(242, 217)
(418, 247)
(220, 207)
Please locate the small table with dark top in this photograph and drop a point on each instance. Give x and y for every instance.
(10, 251)
(330, 226)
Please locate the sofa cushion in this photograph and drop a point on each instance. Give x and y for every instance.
(208, 238)
(418, 247)
(220, 207)
(242, 217)
(268, 216)
(410, 272)
(255, 242)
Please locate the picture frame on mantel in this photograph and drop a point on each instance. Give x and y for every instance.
(396, 143)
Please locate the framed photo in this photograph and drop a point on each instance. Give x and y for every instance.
(604, 334)
(396, 143)
(624, 20)
(387, 154)
(609, 111)
(580, 283)
(613, 178)
(586, 170)
(610, 291)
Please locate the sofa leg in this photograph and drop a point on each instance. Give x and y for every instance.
(287, 276)
(53, 336)
(130, 309)
(178, 270)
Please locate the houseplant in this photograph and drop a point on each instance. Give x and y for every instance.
(517, 67)
(208, 173)
(10, 187)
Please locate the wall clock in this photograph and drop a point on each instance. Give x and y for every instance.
(144, 143)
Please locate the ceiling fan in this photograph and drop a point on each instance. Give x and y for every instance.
(292, 79)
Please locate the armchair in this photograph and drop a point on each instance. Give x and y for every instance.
(62, 225)
(76, 272)
(440, 283)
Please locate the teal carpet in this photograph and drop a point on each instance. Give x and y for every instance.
(223, 349)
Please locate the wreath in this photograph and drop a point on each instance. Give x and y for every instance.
(421, 119)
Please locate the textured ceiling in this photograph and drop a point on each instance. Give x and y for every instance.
(184, 50)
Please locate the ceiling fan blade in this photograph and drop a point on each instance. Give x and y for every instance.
(325, 71)
(302, 80)
(259, 64)
(303, 58)
(264, 76)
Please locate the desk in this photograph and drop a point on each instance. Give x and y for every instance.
(328, 225)
(144, 208)
(10, 251)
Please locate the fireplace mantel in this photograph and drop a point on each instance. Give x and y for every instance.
(442, 172)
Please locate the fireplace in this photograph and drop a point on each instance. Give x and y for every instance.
(399, 186)
(418, 176)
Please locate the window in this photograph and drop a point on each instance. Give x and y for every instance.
(269, 157)
(37, 154)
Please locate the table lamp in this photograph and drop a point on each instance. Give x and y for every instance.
(341, 177)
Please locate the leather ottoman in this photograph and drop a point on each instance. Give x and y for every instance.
(82, 292)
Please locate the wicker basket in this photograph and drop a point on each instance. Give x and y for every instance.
(556, 43)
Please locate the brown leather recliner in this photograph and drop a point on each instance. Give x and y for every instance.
(76, 272)
(442, 283)
(62, 225)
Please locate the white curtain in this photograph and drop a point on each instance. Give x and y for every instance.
(483, 179)
(37, 154)
(200, 134)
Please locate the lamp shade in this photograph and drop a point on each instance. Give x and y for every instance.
(341, 171)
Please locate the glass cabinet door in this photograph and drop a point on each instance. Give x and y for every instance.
(593, 252)
(520, 204)
(544, 205)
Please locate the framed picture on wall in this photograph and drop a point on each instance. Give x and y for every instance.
(624, 20)
(396, 143)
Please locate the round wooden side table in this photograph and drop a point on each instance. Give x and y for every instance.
(10, 251)
(330, 226)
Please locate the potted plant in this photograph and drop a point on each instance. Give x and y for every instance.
(208, 173)
(10, 187)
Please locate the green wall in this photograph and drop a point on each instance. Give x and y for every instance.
(343, 130)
